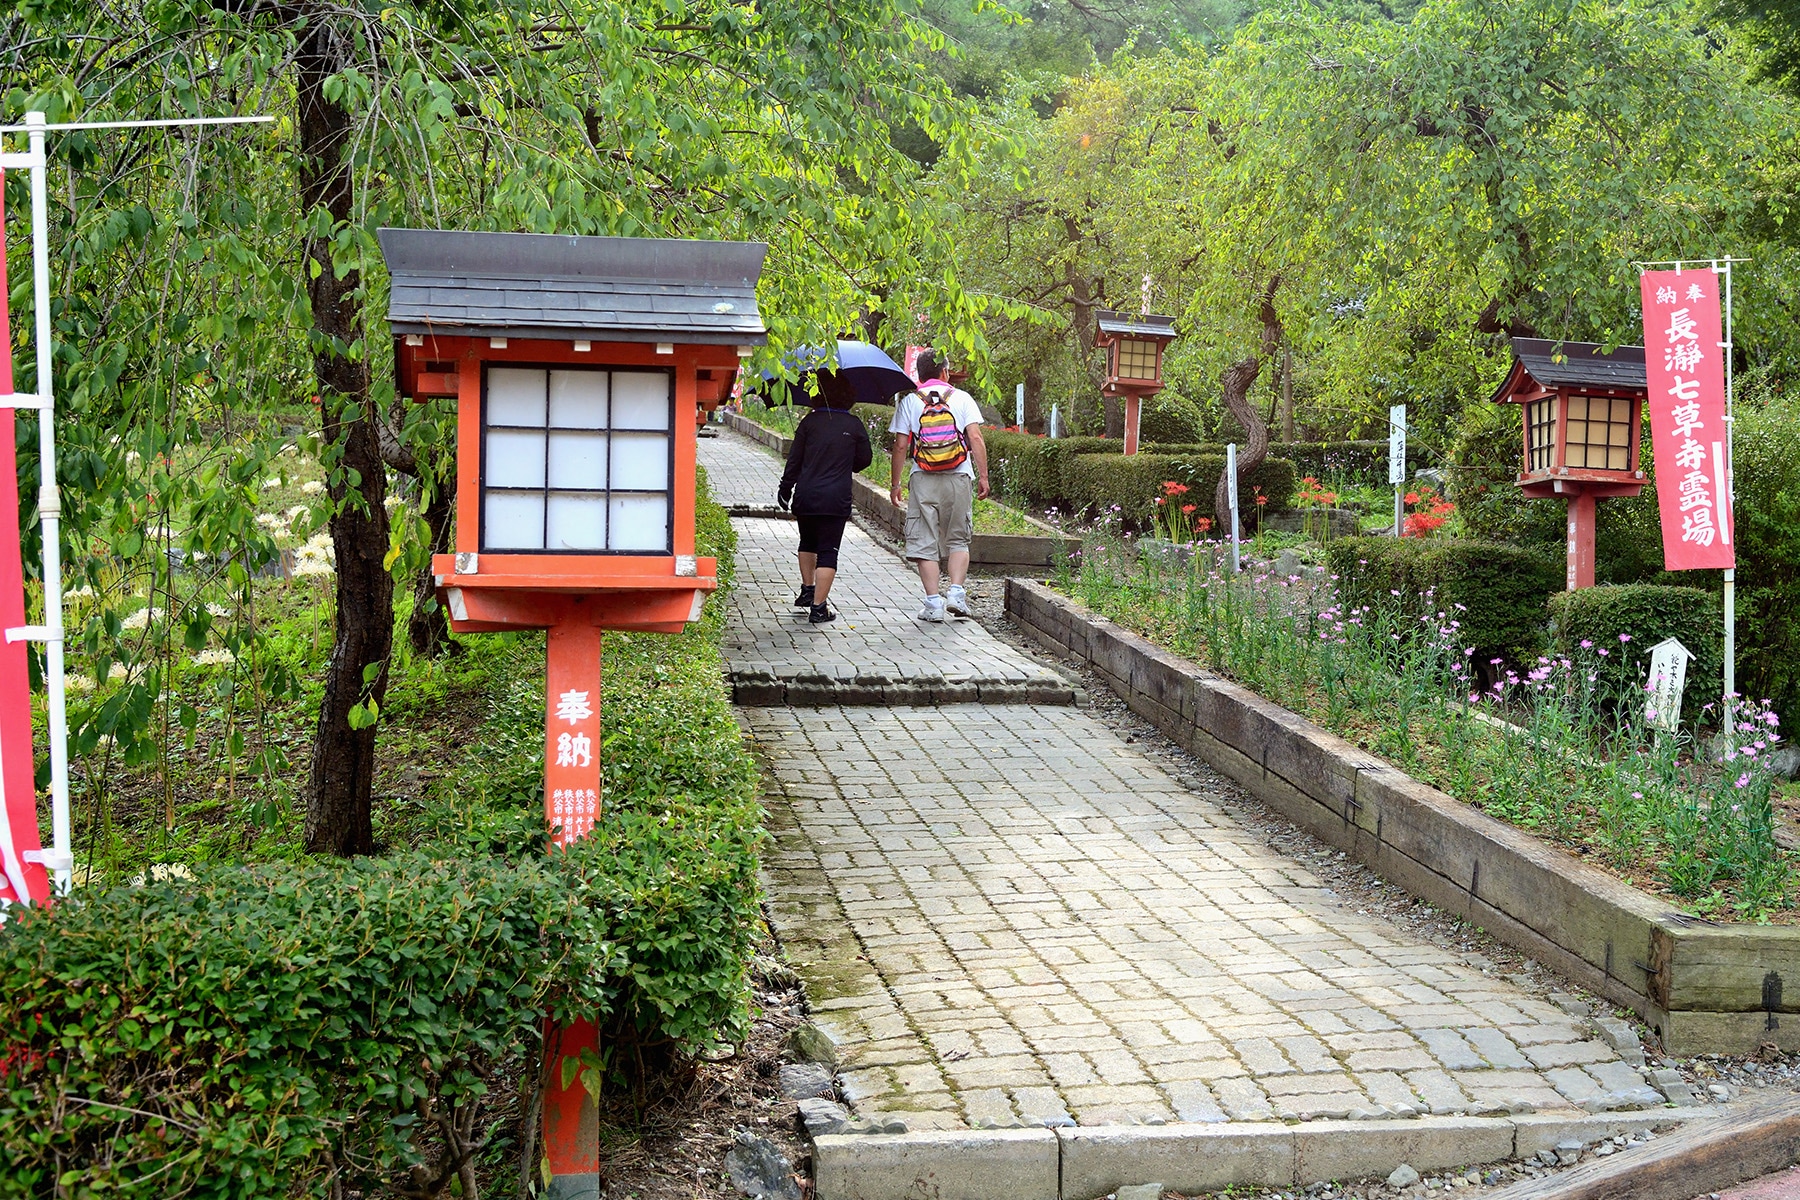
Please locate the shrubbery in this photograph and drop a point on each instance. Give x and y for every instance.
(1167, 417)
(1644, 613)
(1097, 482)
(262, 1030)
(1496, 591)
(1025, 465)
(1766, 462)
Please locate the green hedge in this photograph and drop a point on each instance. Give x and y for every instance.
(1498, 592)
(1095, 483)
(1766, 462)
(1031, 467)
(238, 1034)
(270, 1030)
(1646, 613)
(1167, 417)
(1363, 460)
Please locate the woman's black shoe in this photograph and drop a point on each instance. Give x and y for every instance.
(822, 614)
(804, 599)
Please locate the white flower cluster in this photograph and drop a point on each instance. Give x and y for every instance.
(312, 487)
(214, 658)
(316, 557)
(142, 618)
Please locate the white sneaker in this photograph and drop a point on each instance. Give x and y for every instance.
(933, 609)
(956, 600)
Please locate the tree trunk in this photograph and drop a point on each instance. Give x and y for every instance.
(427, 629)
(1287, 394)
(1034, 401)
(1236, 382)
(343, 759)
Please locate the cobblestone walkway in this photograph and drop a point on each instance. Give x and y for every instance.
(1007, 915)
(740, 473)
(878, 651)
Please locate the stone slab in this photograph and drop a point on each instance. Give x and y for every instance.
(1008, 1164)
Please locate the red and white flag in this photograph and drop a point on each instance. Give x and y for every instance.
(1684, 365)
(19, 879)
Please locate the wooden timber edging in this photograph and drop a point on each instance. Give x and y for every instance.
(989, 551)
(1704, 986)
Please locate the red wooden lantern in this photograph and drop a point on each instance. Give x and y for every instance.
(1581, 410)
(582, 368)
(1134, 345)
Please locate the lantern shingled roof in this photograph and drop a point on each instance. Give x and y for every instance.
(1135, 324)
(1553, 364)
(544, 285)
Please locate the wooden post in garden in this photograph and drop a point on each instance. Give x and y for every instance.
(581, 368)
(1582, 410)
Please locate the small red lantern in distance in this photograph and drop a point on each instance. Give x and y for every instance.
(1134, 343)
(582, 368)
(1582, 411)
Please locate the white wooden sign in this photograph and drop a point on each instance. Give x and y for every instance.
(1397, 444)
(1668, 678)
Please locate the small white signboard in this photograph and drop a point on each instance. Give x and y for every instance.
(1668, 677)
(1397, 444)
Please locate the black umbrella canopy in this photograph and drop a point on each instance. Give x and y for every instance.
(864, 375)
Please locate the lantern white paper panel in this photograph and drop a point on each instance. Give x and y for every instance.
(640, 462)
(513, 520)
(577, 460)
(640, 400)
(515, 459)
(515, 396)
(640, 523)
(578, 399)
(577, 521)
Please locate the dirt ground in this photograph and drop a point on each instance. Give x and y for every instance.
(673, 1146)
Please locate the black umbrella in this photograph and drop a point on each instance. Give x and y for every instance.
(864, 372)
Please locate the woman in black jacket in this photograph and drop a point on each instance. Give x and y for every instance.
(830, 445)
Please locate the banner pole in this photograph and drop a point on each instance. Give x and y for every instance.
(50, 517)
(1730, 680)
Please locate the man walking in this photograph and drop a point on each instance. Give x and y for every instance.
(937, 429)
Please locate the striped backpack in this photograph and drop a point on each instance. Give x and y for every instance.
(939, 445)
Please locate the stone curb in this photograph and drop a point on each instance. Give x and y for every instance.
(1086, 1163)
(1705, 987)
(758, 690)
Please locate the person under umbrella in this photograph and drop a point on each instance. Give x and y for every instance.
(830, 445)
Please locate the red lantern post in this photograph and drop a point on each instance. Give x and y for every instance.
(582, 368)
(1582, 408)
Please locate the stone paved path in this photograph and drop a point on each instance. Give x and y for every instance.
(878, 651)
(1005, 914)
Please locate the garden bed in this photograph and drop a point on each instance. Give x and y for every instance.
(1705, 986)
(1005, 538)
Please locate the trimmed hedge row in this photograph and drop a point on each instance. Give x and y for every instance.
(1093, 475)
(323, 1027)
(1496, 591)
(1646, 613)
(1101, 483)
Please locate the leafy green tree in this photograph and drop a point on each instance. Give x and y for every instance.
(241, 268)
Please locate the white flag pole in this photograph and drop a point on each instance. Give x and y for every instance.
(60, 858)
